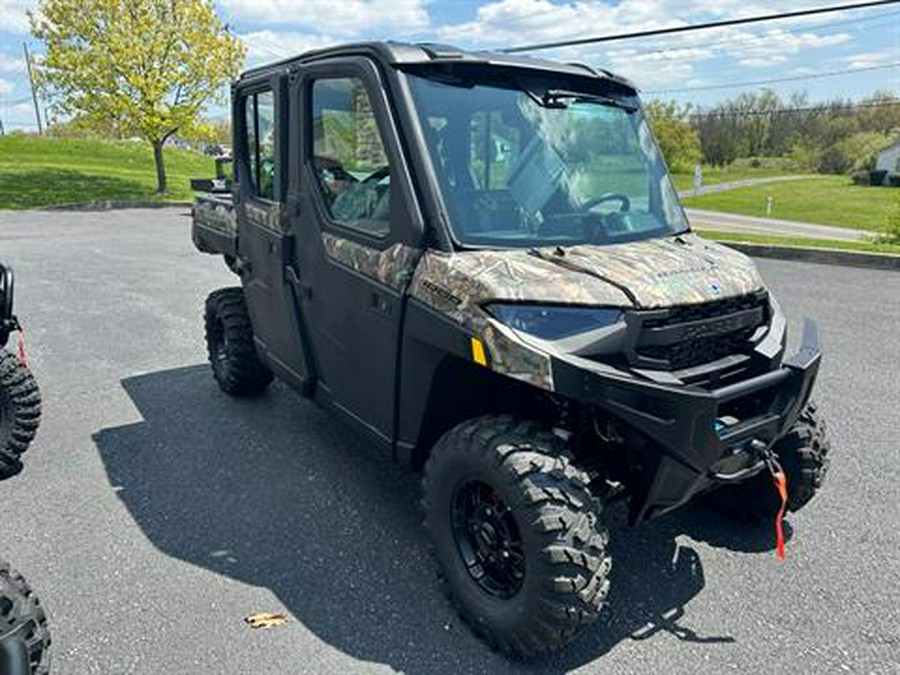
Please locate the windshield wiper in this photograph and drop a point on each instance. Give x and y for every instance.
(560, 98)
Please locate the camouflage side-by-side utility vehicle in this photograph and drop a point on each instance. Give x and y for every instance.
(24, 637)
(480, 261)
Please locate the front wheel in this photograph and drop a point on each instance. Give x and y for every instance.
(20, 412)
(516, 534)
(229, 341)
(24, 638)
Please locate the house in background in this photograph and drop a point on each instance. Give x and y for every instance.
(888, 161)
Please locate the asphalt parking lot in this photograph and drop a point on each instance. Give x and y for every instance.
(155, 513)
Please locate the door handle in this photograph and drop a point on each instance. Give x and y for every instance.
(293, 278)
(379, 304)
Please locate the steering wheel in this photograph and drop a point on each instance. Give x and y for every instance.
(378, 175)
(624, 201)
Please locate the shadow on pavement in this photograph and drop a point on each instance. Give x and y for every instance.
(276, 493)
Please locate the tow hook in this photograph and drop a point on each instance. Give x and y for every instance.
(779, 480)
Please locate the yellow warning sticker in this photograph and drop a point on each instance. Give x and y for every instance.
(478, 355)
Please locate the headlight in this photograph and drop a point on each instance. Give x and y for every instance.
(553, 322)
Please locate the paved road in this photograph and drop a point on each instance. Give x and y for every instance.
(730, 222)
(154, 512)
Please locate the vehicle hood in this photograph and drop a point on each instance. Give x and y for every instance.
(678, 270)
(648, 274)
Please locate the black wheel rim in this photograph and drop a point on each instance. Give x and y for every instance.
(488, 539)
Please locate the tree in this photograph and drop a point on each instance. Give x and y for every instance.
(677, 139)
(144, 66)
(718, 137)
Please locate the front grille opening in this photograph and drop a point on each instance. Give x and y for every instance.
(702, 333)
(697, 352)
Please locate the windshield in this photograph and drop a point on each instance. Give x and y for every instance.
(543, 166)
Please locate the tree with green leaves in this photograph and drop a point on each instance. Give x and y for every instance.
(678, 140)
(147, 66)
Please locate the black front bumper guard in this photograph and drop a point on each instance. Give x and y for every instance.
(695, 451)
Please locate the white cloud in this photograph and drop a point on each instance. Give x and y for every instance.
(776, 46)
(6, 86)
(9, 64)
(264, 46)
(12, 15)
(648, 62)
(344, 18)
(869, 59)
(17, 112)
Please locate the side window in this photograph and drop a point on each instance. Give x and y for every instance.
(349, 157)
(259, 111)
(493, 149)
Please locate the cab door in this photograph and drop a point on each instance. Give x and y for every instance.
(358, 232)
(264, 240)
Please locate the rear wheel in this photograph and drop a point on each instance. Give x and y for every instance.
(24, 637)
(229, 340)
(20, 412)
(802, 453)
(516, 534)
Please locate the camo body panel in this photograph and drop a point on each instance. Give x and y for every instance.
(215, 214)
(683, 270)
(392, 266)
(457, 284)
(271, 216)
(656, 273)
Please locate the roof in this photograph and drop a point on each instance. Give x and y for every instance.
(400, 54)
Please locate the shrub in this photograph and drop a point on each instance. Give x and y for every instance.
(835, 160)
(861, 177)
(863, 148)
(890, 231)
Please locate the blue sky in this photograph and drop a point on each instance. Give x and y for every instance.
(862, 44)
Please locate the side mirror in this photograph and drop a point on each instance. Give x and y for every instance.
(8, 322)
(6, 293)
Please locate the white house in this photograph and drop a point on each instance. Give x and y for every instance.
(889, 160)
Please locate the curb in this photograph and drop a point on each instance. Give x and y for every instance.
(109, 206)
(825, 256)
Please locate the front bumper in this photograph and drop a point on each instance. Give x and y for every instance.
(693, 454)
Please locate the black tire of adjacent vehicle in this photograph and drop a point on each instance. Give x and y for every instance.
(20, 412)
(802, 453)
(564, 542)
(24, 635)
(229, 341)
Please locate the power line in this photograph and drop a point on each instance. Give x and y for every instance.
(837, 106)
(755, 83)
(758, 37)
(701, 26)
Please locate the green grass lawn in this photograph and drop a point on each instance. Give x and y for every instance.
(803, 242)
(39, 171)
(741, 169)
(830, 200)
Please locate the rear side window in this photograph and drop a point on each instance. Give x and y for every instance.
(259, 112)
(349, 157)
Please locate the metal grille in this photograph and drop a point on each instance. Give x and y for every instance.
(709, 332)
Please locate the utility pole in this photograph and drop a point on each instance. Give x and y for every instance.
(37, 110)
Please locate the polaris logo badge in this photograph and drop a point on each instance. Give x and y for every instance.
(715, 288)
